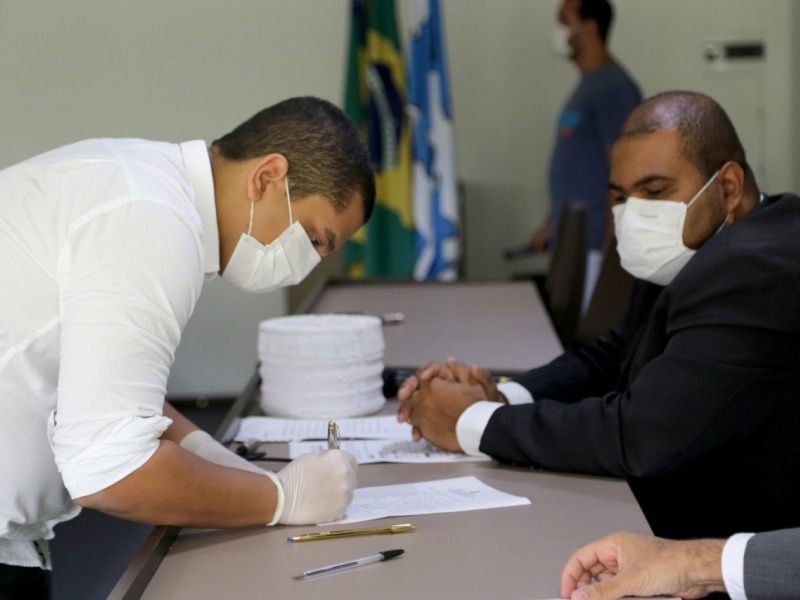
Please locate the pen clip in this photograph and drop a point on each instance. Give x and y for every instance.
(333, 435)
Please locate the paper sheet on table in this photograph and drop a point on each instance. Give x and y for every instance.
(274, 429)
(375, 451)
(429, 497)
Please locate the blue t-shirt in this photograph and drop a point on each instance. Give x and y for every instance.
(587, 127)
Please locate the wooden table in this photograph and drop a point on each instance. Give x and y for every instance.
(501, 326)
(503, 553)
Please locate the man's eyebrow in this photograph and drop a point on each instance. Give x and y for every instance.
(330, 238)
(652, 179)
(637, 184)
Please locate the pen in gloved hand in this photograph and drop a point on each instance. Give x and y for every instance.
(333, 435)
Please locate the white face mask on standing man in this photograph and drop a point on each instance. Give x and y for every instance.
(560, 41)
(650, 236)
(256, 267)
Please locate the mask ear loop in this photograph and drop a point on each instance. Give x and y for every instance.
(703, 189)
(250, 228)
(288, 200)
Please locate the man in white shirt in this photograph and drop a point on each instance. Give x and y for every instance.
(104, 248)
(746, 566)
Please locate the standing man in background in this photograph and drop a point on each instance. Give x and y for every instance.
(587, 126)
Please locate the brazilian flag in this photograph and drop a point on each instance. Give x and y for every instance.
(375, 101)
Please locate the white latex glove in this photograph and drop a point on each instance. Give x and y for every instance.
(315, 488)
(206, 447)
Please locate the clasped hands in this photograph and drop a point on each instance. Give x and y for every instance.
(433, 399)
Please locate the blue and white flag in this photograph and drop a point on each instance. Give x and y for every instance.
(434, 175)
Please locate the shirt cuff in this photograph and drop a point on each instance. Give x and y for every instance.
(515, 393)
(470, 426)
(733, 565)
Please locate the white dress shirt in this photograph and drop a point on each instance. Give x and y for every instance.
(104, 245)
(733, 565)
(472, 422)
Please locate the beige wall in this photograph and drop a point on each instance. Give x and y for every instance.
(507, 90)
(195, 68)
(178, 70)
(794, 129)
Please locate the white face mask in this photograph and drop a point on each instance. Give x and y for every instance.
(560, 42)
(255, 267)
(650, 236)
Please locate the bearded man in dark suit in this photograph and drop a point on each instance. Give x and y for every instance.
(695, 397)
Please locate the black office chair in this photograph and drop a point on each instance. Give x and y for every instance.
(609, 300)
(565, 278)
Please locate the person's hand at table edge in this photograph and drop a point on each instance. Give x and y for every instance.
(626, 564)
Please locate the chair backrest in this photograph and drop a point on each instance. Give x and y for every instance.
(565, 278)
(609, 300)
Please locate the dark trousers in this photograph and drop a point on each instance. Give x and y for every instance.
(24, 583)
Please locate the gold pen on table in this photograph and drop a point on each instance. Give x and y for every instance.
(333, 435)
(323, 535)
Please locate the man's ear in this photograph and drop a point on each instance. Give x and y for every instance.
(591, 28)
(268, 169)
(731, 177)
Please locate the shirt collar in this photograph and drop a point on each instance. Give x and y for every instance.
(198, 167)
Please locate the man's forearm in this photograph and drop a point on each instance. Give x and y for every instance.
(181, 426)
(703, 561)
(175, 487)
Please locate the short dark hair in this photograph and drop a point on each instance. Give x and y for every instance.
(599, 11)
(323, 147)
(708, 137)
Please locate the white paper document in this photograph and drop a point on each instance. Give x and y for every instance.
(274, 429)
(392, 451)
(429, 497)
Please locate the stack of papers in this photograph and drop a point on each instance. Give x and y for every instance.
(369, 439)
(429, 497)
(274, 429)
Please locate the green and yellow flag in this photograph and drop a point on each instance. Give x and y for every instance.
(375, 101)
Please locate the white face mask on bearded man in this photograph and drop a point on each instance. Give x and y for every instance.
(650, 236)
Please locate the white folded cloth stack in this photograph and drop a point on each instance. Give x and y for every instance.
(326, 366)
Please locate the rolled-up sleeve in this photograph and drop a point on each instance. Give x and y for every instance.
(128, 281)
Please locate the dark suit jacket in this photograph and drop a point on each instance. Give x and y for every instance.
(694, 398)
(770, 566)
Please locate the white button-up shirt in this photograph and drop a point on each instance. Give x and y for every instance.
(733, 565)
(104, 245)
(473, 421)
